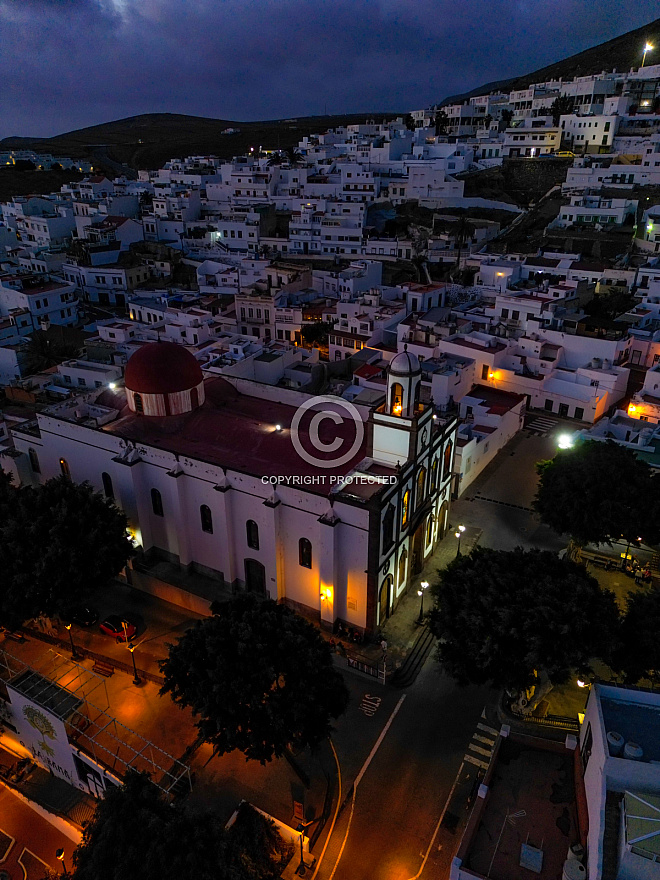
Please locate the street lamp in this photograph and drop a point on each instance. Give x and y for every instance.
(458, 534)
(136, 677)
(60, 855)
(647, 48)
(74, 654)
(422, 589)
(301, 830)
(565, 441)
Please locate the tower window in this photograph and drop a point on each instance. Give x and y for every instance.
(396, 399)
(388, 528)
(405, 503)
(137, 403)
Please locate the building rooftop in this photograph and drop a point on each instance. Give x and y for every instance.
(639, 722)
(529, 816)
(238, 432)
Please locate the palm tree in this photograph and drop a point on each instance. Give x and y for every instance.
(463, 231)
(275, 159)
(44, 351)
(293, 156)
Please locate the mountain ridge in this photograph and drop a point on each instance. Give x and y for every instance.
(621, 53)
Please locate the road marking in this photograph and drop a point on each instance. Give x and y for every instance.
(485, 752)
(476, 762)
(334, 818)
(370, 705)
(379, 741)
(484, 739)
(488, 729)
(358, 779)
(437, 827)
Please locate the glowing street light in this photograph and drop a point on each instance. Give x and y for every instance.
(74, 654)
(59, 853)
(647, 48)
(457, 534)
(136, 677)
(565, 441)
(423, 587)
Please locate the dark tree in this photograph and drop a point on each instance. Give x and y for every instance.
(462, 231)
(317, 331)
(597, 492)
(259, 678)
(137, 835)
(502, 615)
(409, 122)
(638, 655)
(45, 350)
(293, 156)
(561, 106)
(441, 122)
(507, 116)
(57, 542)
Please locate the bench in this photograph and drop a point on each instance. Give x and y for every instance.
(103, 668)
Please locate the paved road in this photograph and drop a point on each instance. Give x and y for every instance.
(388, 833)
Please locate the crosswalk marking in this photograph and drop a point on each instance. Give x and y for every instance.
(541, 425)
(482, 764)
(488, 729)
(484, 739)
(486, 752)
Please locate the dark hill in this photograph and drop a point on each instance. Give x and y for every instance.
(619, 54)
(149, 140)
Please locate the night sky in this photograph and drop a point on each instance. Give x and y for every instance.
(65, 64)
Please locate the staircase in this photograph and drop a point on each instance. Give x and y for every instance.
(406, 674)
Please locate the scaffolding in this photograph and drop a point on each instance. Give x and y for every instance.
(63, 687)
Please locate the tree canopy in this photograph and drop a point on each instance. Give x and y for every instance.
(56, 542)
(561, 106)
(597, 492)
(258, 676)
(502, 615)
(638, 654)
(136, 833)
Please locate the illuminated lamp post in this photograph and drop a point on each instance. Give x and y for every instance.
(422, 589)
(136, 677)
(458, 535)
(647, 48)
(74, 654)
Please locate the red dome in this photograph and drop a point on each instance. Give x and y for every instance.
(162, 368)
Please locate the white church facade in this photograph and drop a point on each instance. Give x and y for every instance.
(212, 481)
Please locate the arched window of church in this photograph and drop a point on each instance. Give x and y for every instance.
(156, 502)
(396, 399)
(305, 553)
(194, 398)
(65, 469)
(434, 475)
(421, 484)
(446, 469)
(403, 560)
(388, 527)
(252, 530)
(34, 461)
(405, 503)
(108, 488)
(206, 518)
(429, 531)
(137, 403)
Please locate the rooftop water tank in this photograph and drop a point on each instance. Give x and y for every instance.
(573, 870)
(633, 752)
(615, 743)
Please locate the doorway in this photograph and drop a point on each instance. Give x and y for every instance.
(385, 599)
(255, 577)
(418, 549)
(563, 410)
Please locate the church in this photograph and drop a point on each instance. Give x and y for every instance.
(213, 480)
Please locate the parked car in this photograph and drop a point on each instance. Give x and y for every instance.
(83, 615)
(565, 154)
(119, 627)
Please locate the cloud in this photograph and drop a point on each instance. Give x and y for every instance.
(69, 63)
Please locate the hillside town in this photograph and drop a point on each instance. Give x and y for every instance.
(167, 336)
